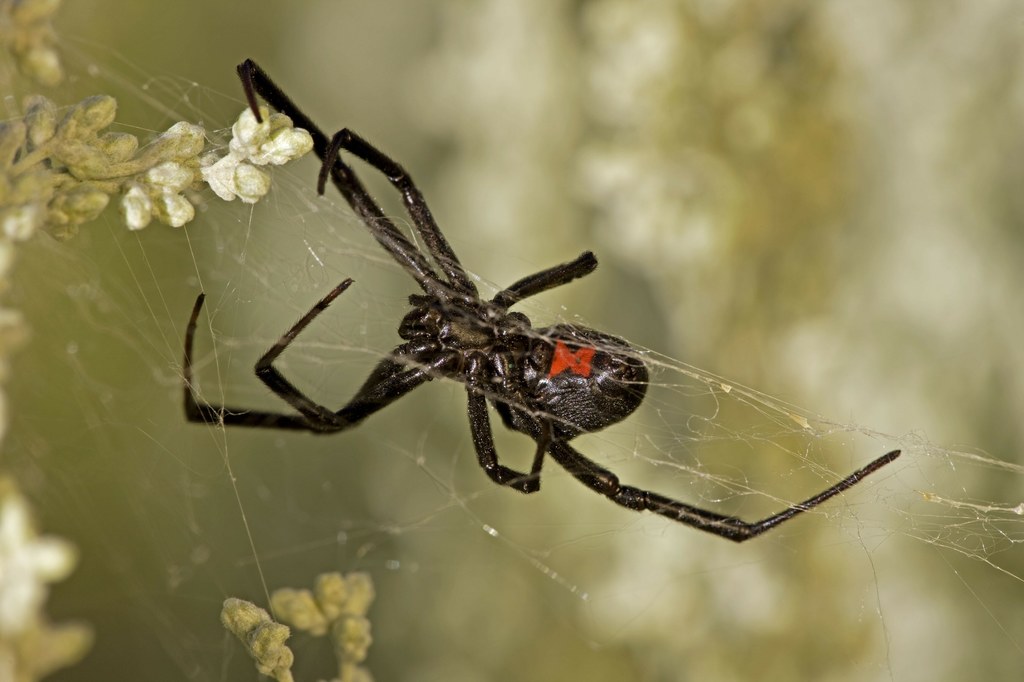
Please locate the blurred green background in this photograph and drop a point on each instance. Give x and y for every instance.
(819, 200)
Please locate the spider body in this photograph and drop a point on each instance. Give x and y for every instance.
(552, 383)
(579, 379)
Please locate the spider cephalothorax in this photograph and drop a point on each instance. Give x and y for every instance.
(551, 384)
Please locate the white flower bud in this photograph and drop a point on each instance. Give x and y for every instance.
(118, 146)
(88, 117)
(20, 222)
(220, 176)
(283, 146)
(42, 63)
(299, 609)
(174, 209)
(184, 140)
(241, 617)
(352, 638)
(247, 134)
(80, 204)
(250, 183)
(41, 119)
(30, 561)
(361, 593)
(136, 208)
(170, 176)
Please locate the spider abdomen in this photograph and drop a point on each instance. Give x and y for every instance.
(585, 380)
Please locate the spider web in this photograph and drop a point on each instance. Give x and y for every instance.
(173, 518)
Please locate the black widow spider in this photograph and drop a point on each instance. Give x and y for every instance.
(551, 384)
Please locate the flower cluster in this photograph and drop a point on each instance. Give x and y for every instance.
(30, 646)
(58, 172)
(336, 607)
(254, 143)
(264, 638)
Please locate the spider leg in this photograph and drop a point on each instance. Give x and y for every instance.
(275, 381)
(556, 276)
(389, 381)
(197, 411)
(730, 527)
(487, 455)
(255, 82)
(413, 199)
